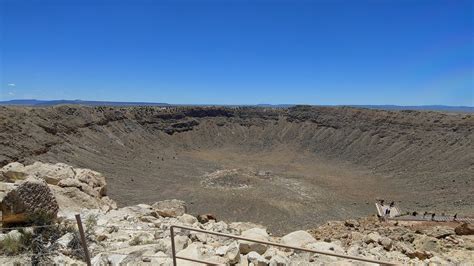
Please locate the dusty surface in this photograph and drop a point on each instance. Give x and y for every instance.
(287, 168)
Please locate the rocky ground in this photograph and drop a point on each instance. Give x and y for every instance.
(140, 235)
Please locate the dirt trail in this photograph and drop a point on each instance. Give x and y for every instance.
(289, 168)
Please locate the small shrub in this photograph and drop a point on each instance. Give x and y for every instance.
(90, 223)
(41, 218)
(11, 246)
(76, 247)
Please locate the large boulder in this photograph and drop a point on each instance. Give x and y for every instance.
(74, 188)
(439, 231)
(32, 198)
(257, 234)
(194, 250)
(205, 218)
(257, 259)
(464, 229)
(74, 199)
(72, 182)
(426, 243)
(13, 171)
(51, 173)
(170, 208)
(93, 179)
(298, 239)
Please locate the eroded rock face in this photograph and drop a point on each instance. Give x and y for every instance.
(298, 239)
(51, 173)
(465, 229)
(12, 172)
(170, 208)
(74, 188)
(257, 234)
(31, 198)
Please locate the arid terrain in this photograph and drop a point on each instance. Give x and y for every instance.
(286, 168)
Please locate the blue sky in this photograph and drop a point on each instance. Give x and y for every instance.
(239, 52)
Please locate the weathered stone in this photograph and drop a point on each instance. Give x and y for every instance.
(197, 236)
(73, 199)
(421, 255)
(216, 226)
(51, 173)
(256, 259)
(279, 260)
(12, 172)
(326, 247)
(181, 242)
(93, 179)
(356, 236)
(108, 204)
(222, 250)
(30, 200)
(194, 250)
(298, 239)
(426, 243)
(385, 242)
(204, 218)
(101, 237)
(187, 219)
(148, 219)
(248, 246)
(439, 231)
(141, 238)
(465, 229)
(72, 182)
(170, 208)
(351, 223)
(372, 237)
(63, 242)
(233, 253)
(239, 227)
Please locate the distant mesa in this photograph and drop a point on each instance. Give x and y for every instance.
(34, 102)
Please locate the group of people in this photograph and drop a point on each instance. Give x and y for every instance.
(389, 208)
(455, 216)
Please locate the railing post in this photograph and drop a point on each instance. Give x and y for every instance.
(83, 239)
(173, 249)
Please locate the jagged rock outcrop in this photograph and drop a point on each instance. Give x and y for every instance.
(59, 184)
(32, 198)
(465, 229)
(12, 172)
(170, 208)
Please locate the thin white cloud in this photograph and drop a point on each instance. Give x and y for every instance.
(11, 84)
(11, 93)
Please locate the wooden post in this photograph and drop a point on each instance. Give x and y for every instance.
(173, 248)
(83, 239)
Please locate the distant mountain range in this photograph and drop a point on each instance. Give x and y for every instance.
(33, 102)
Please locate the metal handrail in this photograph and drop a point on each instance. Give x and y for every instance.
(175, 257)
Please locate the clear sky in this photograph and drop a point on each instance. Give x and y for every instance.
(403, 52)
